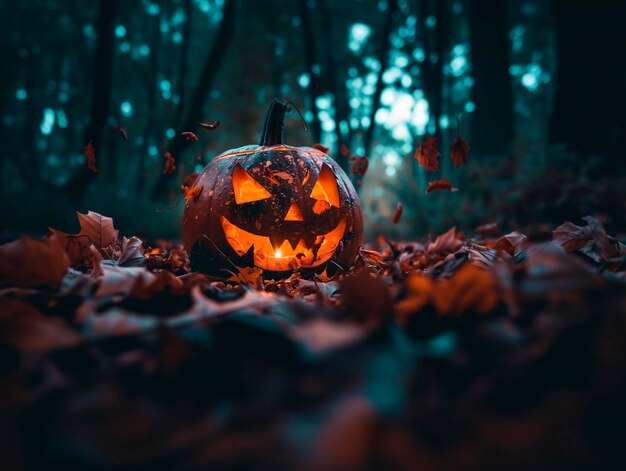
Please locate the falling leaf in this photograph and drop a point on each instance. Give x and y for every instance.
(397, 214)
(320, 147)
(210, 126)
(191, 193)
(121, 130)
(359, 165)
(189, 136)
(170, 163)
(90, 153)
(427, 154)
(190, 179)
(440, 185)
(344, 150)
(459, 151)
(27, 262)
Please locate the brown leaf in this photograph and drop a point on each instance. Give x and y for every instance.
(251, 276)
(320, 147)
(132, 252)
(170, 163)
(440, 185)
(397, 214)
(189, 136)
(512, 243)
(446, 242)
(28, 262)
(459, 151)
(211, 126)
(98, 228)
(344, 150)
(121, 130)
(592, 239)
(427, 154)
(469, 289)
(359, 165)
(90, 153)
(366, 297)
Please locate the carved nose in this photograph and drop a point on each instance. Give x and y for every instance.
(294, 213)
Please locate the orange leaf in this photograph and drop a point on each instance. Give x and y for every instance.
(191, 193)
(90, 153)
(397, 214)
(440, 185)
(170, 163)
(428, 154)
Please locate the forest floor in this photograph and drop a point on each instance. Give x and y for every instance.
(491, 352)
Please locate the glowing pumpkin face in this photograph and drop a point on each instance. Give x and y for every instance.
(273, 206)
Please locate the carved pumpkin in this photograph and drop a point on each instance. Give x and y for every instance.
(273, 206)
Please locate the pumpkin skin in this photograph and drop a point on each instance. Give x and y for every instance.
(273, 206)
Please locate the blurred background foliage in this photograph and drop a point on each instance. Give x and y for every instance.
(538, 86)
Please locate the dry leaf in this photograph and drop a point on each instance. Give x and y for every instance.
(189, 136)
(397, 214)
(170, 163)
(427, 154)
(121, 130)
(90, 153)
(320, 147)
(440, 185)
(211, 126)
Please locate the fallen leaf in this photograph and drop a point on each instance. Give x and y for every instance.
(440, 185)
(397, 214)
(211, 126)
(121, 130)
(98, 228)
(469, 289)
(251, 276)
(189, 136)
(27, 262)
(365, 296)
(90, 153)
(132, 253)
(592, 239)
(427, 154)
(170, 163)
(446, 242)
(320, 147)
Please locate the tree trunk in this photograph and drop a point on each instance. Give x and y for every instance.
(184, 61)
(591, 84)
(493, 116)
(77, 186)
(308, 41)
(383, 59)
(211, 67)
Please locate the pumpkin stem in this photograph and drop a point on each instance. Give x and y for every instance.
(272, 133)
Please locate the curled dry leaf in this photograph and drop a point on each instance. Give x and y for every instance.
(320, 147)
(210, 126)
(28, 262)
(189, 136)
(90, 154)
(427, 154)
(397, 214)
(440, 185)
(447, 242)
(132, 252)
(170, 163)
(122, 131)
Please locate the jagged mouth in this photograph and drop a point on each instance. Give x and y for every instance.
(287, 256)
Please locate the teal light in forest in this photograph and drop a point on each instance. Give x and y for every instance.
(120, 31)
(47, 123)
(126, 108)
(359, 32)
(21, 94)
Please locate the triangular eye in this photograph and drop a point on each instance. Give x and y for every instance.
(325, 188)
(246, 188)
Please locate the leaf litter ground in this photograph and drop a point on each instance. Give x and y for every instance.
(498, 351)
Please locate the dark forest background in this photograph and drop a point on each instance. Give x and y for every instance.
(539, 87)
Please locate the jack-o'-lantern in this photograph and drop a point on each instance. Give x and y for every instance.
(273, 206)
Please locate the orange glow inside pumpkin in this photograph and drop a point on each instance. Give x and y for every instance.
(286, 256)
(325, 188)
(246, 188)
(294, 213)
